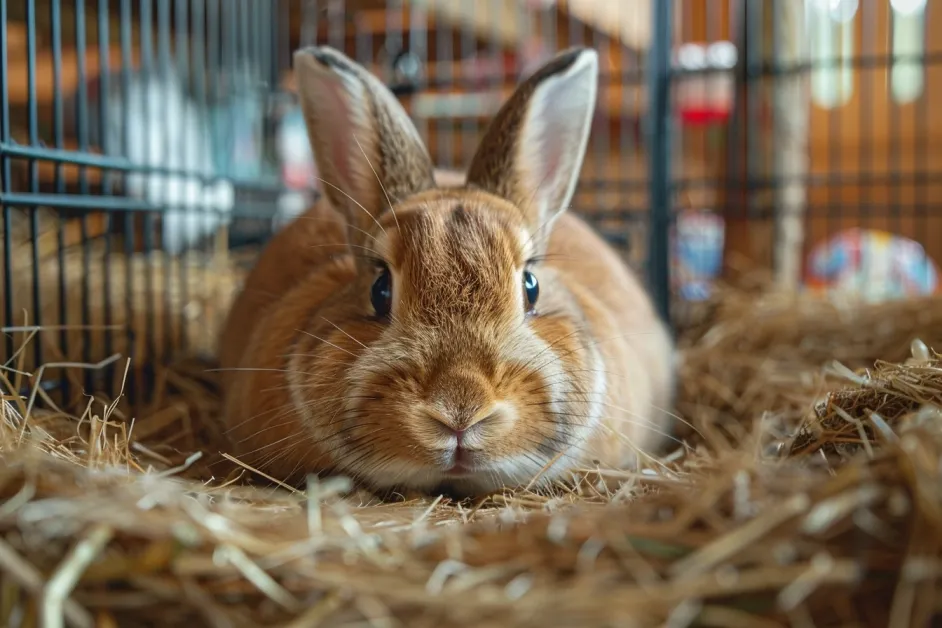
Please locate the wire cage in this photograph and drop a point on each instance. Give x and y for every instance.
(149, 147)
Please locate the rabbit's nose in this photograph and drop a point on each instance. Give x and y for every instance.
(465, 424)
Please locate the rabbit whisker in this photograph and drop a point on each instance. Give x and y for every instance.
(354, 201)
(378, 181)
(315, 337)
(345, 333)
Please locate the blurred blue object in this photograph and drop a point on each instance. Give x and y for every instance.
(236, 131)
(238, 128)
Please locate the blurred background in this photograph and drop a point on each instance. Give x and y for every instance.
(790, 137)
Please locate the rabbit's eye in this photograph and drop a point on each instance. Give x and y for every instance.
(381, 293)
(531, 288)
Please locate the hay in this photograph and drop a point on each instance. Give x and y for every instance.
(765, 353)
(807, 494)
(147, 305)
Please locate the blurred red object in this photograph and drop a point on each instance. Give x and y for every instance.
(705, 90)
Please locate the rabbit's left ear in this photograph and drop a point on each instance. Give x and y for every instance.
(533, 150)
(364, 143)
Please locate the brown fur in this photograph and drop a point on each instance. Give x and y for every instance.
(315, 384)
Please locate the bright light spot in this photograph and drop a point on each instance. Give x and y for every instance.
(722, 54)
(691, 56)
(842, 11)
(908, 7)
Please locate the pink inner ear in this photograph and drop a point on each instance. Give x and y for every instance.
(548, 137)
(338, 131)
(552, 157)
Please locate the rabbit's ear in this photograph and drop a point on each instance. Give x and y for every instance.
(365, 147)
(532, 152)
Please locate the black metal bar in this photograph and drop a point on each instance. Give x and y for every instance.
(833, 197)
(228, 61)
(863, 177)
(734, 175)
(183, 60)
(131, 386)
(770, 162)
(92, 160)
(868, 39)
(922, 120)
(147, 54)
(169, 138)
(104, 61)
(206, 56)
(659, 143)
(262, 210)
(59, 184)
(83, 141)
(36, 318)
(7, 183)
(769, 68)
(894, 128)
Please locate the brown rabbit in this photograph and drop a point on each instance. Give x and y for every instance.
(464, 337)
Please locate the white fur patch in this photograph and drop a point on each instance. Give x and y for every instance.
(596, 399)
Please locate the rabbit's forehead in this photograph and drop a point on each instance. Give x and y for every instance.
(454, 234)
(455, 261)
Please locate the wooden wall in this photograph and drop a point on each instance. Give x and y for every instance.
(894, 151)
(873, 163)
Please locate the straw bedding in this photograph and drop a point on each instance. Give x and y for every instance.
(808, 492)
(165, 300)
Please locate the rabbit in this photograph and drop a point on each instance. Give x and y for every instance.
(421, 330)
(165, 129)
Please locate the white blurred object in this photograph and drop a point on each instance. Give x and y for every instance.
(291, 204)
(165, 129)
(298, 170)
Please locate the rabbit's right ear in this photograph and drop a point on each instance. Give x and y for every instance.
(365, 146)
(532, 152)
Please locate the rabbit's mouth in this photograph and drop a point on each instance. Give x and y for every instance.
(462, 462)
(462, 466)
(459, 471)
